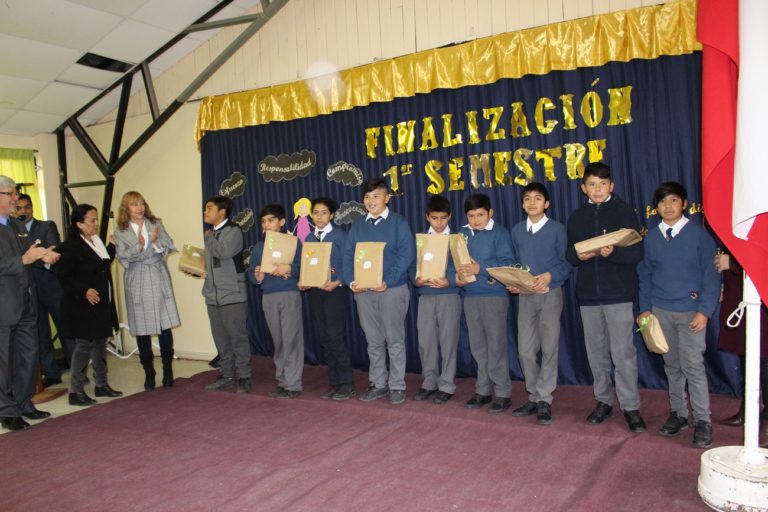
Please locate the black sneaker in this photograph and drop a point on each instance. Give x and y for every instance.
(673, 425)
(442, 397)
(374, 393)
(278, 390)
(634, 421)
(500, 405)
(526, 409)
(423, 394)
(243, 385)
(286, 393)
(220, 384)
(344, 392)
(702, 434)
(543, 413)
(397, 396)
(601, 413)
(478, 401)
(331, 391)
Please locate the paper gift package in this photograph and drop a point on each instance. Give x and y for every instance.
(369, 264)
(514, 276)
(431, 256)
(315, 263)
(621, 237)
(460, 255)
(653, 336)
(192, 261)
(278, 248)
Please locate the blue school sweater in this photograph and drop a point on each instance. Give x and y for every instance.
(399, 252)
(338, 237)
(272, 284)
(543, 251)
(673, 270)
(450, 274)
(490, 248)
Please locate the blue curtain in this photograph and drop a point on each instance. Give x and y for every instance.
(661, 143)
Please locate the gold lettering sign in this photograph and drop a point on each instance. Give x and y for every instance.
(519, 121)
(547, 156)
(479, 163)
(405, 136)
(568, 121)
(432, 170)
(520, 157)
(371, 141)
(620, 105)
(448, 138)
(596, 148)
(389, 148)
(592, 109)
(494, 132)
(428, 137)
(474, 134)
(574, 160)
(543, 126)
(500, 167)
(454, 174)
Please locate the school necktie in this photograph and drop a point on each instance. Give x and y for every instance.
(374, 220)
(669, 233)
(319, 235)
(530, 229)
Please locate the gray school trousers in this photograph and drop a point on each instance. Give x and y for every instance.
(487, 325)
(608, 336)
(282, 311)
(538, 330)
(438, 323)
(685, 362)
(382, 317)
(231, 339)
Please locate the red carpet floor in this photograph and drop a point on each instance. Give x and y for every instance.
(188, 449)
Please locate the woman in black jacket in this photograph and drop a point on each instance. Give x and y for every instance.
(88, 311)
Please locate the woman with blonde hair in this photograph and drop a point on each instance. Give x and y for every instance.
(142, 248)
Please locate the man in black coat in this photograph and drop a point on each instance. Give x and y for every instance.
(48, 292)
(18, 314)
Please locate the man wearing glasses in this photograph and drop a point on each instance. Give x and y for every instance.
(18, 314)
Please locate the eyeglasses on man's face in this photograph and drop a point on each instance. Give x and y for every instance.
(12, 193)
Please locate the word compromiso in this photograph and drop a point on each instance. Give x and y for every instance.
(400, 138)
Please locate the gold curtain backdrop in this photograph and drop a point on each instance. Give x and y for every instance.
(643, 33)
(19, 165)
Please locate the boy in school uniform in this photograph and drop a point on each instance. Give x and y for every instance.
(281, 302)
(438, 320)
(486, 303)
(606, 285)
(382, 310)
(225, 295)
(328, 303)
(539, 243)
(681, 287)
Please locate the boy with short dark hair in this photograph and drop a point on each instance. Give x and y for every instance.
(486, 303)
(606, 286)
(281, 302)
(539, 243)
(382, 310)
(438, 320)
(225, 295)
(329, 303)
(681, 287)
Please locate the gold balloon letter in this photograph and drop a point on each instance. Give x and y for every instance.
(432, 170)
(574, 160)
(547, 156)
(448, 138)
(428, 137)
(494, 132)
(620, 105)
(454, 174)
(525, 176)
(592, 109)
(405, 136)
(474, 134)
(371, 141)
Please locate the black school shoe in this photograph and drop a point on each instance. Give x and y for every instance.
(423, 394)
(527, 409)
(674, 425)
(442, 397)
(601, 413)
(500, 405)
(344, 392)
(543, 413)
(634, 421)
(478, 401)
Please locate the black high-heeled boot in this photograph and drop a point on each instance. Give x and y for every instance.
(167, 357)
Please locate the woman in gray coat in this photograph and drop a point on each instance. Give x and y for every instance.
(142, 247)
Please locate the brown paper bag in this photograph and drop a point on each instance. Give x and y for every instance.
(514, 276)
(654, 338)
(315, 263)
(192, 261)
(369, 264)
(278, 248)
(460, 255)
(431, 256)
(622, 238)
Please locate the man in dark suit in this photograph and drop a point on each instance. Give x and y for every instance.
(48, 291)
(18, 314)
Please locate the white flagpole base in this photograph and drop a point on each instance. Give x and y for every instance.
(726, 482)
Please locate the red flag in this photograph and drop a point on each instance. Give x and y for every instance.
(718, 31)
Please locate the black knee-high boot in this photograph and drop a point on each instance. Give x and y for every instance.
(147, 359)
(167, 356)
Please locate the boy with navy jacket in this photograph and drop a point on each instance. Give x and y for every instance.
(382, 310)
(539, 243)
(606, 285)
(281, 302)
(681, 287)
(486, 303)
(329, 303)
(438, 320)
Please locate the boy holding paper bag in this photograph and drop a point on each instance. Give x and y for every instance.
(329, 302)
(439, 306)
(606, 285)
(281, 302)
(681, 287)
(539, 243)
(382, 309)
(486, 303)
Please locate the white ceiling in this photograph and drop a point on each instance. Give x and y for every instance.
(41, 84)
